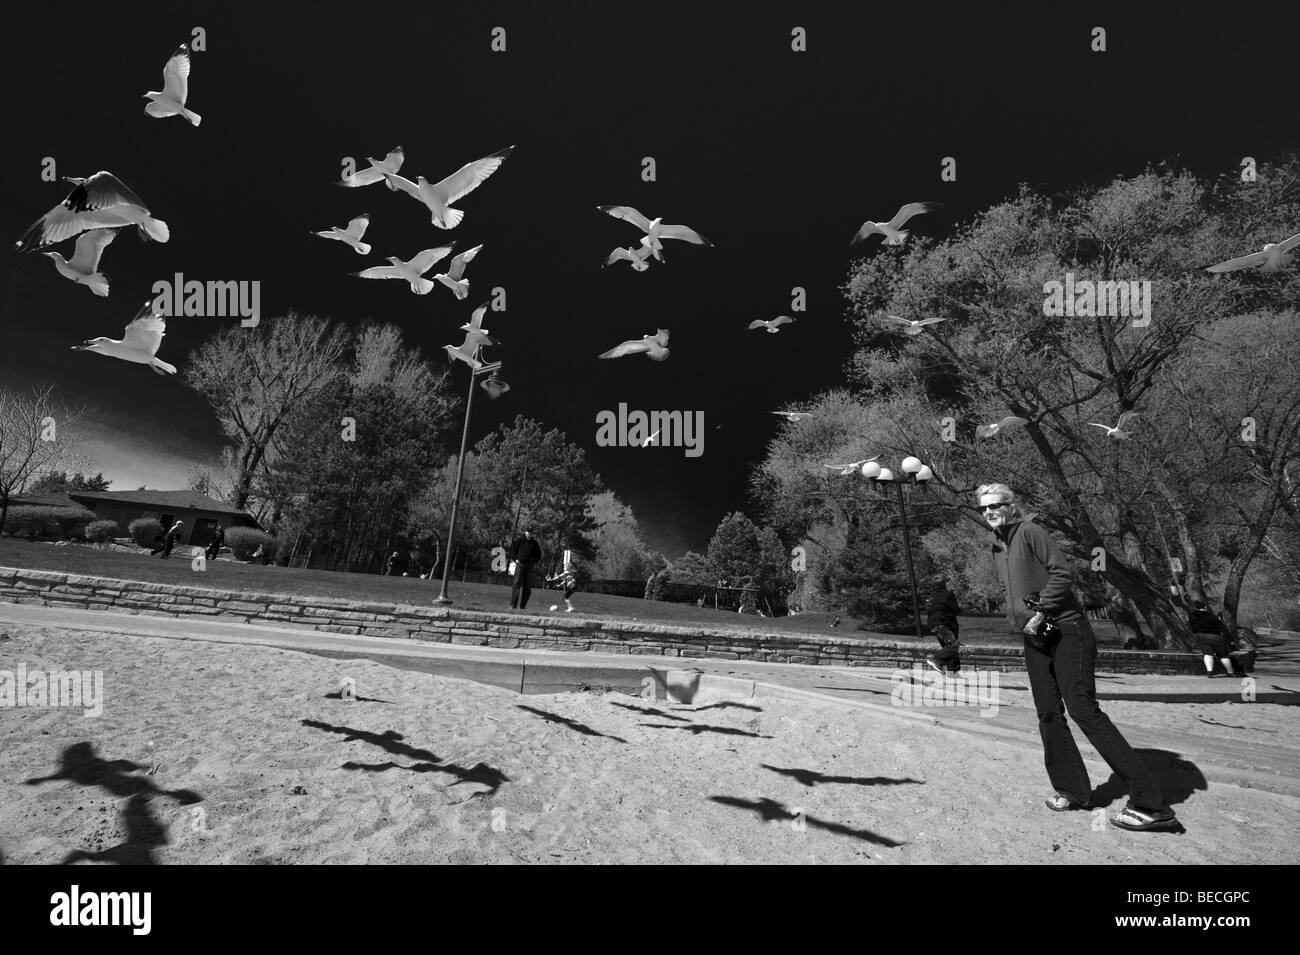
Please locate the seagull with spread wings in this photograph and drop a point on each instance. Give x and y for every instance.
(997, 427)
(891, 229)
(637, 257)
(454, 277)
(1118, 432)
(847, 469)
(655, 229)
(1272, 257)
(83, 267)
(914, 326)
(376, 172)
(475, 323)
(139, 343)
(438, 197)
(410, 271)
(101, 201)
(794, 415)
(656, 346)
(170, 100)
(467, 351)
(351, 235)
(771, 325)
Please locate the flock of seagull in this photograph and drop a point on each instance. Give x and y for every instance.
(99, 206)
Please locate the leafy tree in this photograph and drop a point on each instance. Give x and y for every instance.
(55, 482)
(621, 552)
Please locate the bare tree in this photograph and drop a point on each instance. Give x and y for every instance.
(33, 439)
(254, 380)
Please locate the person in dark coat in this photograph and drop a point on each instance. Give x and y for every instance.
(218, 539)
(526, 553)
(1060, 657)
(170, 540)
(1210, 638)
(941, 619)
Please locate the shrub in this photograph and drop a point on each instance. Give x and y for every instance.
(244, 541)
(98, 532)
(143, 530)
(42, 521)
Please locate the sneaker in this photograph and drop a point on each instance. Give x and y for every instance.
(933, 665)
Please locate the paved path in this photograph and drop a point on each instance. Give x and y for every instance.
(1263, 761)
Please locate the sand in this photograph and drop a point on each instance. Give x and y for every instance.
(210, 753)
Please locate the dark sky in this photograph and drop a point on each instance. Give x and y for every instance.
(776, 156)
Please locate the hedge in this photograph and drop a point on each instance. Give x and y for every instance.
(244, 541)
(46, 521)
(98, 532)
(143, 530)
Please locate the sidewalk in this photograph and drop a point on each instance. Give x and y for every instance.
(871, 691)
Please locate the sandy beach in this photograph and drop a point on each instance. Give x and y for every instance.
(210, 753)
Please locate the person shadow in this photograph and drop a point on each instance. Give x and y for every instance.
(1179, 778)
(80, 764)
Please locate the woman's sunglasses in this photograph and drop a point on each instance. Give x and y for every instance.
(993, 507)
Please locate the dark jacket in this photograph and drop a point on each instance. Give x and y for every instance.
(527, 552)
(942, 610)
(1029, 561)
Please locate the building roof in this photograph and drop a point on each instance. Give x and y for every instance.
(58, 499)
(169, 500)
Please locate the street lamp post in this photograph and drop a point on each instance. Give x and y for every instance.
(917, 473)
(495, 387)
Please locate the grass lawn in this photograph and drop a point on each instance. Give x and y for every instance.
(233, 575)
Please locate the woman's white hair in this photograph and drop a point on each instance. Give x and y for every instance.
(1002, 491)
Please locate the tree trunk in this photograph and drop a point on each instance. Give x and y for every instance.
(1193, 567)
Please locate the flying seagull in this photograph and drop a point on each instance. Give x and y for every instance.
(847, 469)
(139, 344)
(438, 197)
(656, 346)
(170, 100)
(454, 278)
(1117, 432)
(997, 427)
(409, 271)
(376, 171)
(84, 265)
(654, 229)
(475, 323)
(772, 325)
(648, 441)
(351, 235)
(636, 256)
(1272, 257)
(914, 326)
(468, 349)
(795, 415)
(890, 229)
(101, 201)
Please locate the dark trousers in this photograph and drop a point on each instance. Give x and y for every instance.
(521, 588)
(213, 549)
(167, 546)
(1063, 674)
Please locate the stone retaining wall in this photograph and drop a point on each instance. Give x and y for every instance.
(478, 628)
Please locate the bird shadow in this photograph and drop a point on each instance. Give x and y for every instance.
(572, 724)
(338, 695)
(80, 764)
(652, 712)
(427, 762)
(729, 705)
(769, 810)
(695, 729)
(810, 777)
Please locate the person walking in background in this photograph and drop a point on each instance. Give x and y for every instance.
(941, 619)
(1211, 641)
(526, 553)
(1060, 655)
(170, 540)
(218, 539)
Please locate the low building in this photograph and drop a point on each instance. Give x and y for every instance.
(199, 513)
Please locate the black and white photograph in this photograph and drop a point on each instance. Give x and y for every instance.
(652, 434)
